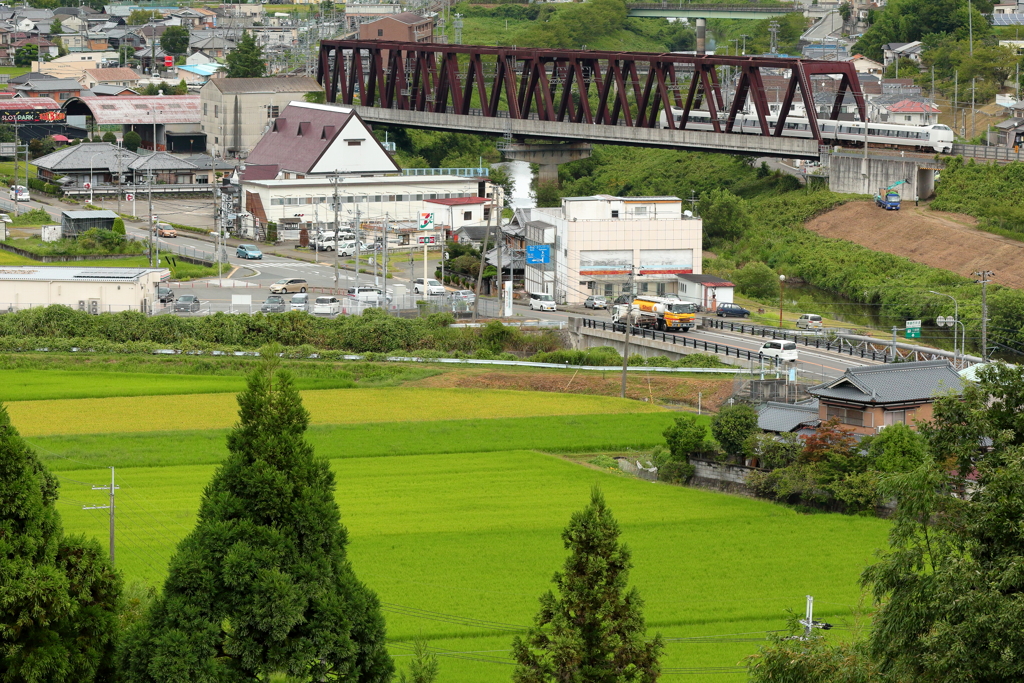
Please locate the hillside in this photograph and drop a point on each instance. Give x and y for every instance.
(934, 238)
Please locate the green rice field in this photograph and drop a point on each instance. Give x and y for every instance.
(461, 534)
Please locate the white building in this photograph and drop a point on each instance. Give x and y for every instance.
(595, 242)
(705, 290)
(458, 212)
(96, 290)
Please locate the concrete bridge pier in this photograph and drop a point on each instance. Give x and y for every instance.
(701, 26)
(548, 157)
(854, 174)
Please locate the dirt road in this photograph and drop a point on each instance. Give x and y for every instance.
(943, 240)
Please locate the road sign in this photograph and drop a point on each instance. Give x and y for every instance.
(538, 253)
(129, 197)
(87, 185)
(428, 239)
(913, 323)
(426, 222)
(913, 330)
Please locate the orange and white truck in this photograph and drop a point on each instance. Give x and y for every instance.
(657, 312)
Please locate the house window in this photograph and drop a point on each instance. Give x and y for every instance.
(640, 211)
(467, 215)
(849, 416)
(609, 290)
(615, 213)
(354, 143)
(683, 288)
(272, 111)
(204, 108)
(891, 417)
(380, 32)
(661, 289)
(216, 110)
(487, 213)
(643, 287)
(906, 118)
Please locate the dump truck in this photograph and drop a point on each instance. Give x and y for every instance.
(655, 312)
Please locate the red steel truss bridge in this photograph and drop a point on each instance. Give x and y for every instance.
(586, 95)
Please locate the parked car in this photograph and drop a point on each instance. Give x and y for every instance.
(595, 302)
(300, 302)
(467, 295)
(19, 193)
(372, 295)
(539, 301)
(274, 304)
(248, 251)
(433, 288)
(783, 350)
(326, 305)
(288, 285)
(731, 311)
(164, 295)
(164, 230)
(809, 321)
(187, 303)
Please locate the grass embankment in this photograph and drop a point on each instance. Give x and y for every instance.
(461, 524)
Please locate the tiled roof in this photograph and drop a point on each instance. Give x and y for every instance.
(407, 18)
(118, 74)
(912, 107)
(895, 383)
(160, 161)
(86, 155)
(787, 417)
(298, 138)
(296, 84)
(51, 84)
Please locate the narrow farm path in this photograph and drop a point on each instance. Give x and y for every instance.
(935, 238)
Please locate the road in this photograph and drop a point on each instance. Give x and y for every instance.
(254, 277)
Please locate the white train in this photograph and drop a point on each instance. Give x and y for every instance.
(933, 138)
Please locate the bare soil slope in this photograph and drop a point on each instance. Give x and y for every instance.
(943, 240)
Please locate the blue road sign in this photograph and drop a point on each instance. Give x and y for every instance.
(538, 253)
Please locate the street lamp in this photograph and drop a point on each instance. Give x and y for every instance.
(744, 36)
(956, 319)
(782, 282)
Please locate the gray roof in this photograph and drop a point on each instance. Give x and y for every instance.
(31, 76)
(475, 232)
(49, 84)
(95, 155)
(101, 213)
(103, 89)
(705, 280)
(73, 274)
(296, 84)
(895, 383)
(787, 417)
(160, 161)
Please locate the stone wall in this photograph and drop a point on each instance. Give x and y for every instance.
(721, 477)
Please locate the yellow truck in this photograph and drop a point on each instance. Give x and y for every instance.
(662, 313)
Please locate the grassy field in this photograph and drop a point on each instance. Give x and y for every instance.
(464, 526)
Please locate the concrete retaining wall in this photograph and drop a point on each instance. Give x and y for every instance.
(721, 477)
(846, 174)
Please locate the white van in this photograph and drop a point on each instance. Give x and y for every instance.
(809, 321)
(783, 350)
(539, 301)
(19, 193)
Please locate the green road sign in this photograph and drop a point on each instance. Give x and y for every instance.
(913, 333)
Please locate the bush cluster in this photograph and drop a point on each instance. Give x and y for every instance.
(373, 332)
(96, 242)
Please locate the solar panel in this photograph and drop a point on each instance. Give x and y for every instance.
(1008, 19)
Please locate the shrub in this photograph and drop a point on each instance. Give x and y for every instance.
(699, 360)
(118, 228)
(109, 137)
(131, 141)
(33, 217)
(732, 426)
(605, 462)
(676, 472)
(685, 438)
(757, 280)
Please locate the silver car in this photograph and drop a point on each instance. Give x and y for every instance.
(300, 302)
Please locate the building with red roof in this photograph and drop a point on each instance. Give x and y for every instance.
(913, 113)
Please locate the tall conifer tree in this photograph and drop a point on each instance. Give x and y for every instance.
(592, 630)
(263, 584)
(58, 594)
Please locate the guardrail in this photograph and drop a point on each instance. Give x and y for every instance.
(818, 342)
(698, 344)
(138, 190)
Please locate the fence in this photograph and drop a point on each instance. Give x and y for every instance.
(839, 346)
(91, 307)
(138, 190)
(698, 344)
(986, 152)
(63, 258)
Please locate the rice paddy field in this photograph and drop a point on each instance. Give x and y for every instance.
(455, 500)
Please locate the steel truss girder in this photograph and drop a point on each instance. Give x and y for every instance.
(556, 85)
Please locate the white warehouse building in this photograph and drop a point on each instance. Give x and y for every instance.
(596, 242)
(95, 290)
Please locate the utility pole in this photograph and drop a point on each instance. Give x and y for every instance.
(808, 621)
(956, 96)
(109, 506)
(501, 247)
(384, 258)
(480, 272)
(974, 112)
(629, 325)
(216, 217)
(782, 282)
(984, 275)
(334, 181)
(17, 139)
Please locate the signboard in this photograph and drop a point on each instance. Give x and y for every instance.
(30, 116)
(913, 330)
(426, 222)
(87, 185)
(129, 197)
(428, 239)
(538, 253)
(168, 60)
(8, 149)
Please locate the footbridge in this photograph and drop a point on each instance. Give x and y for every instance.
(581, 96)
